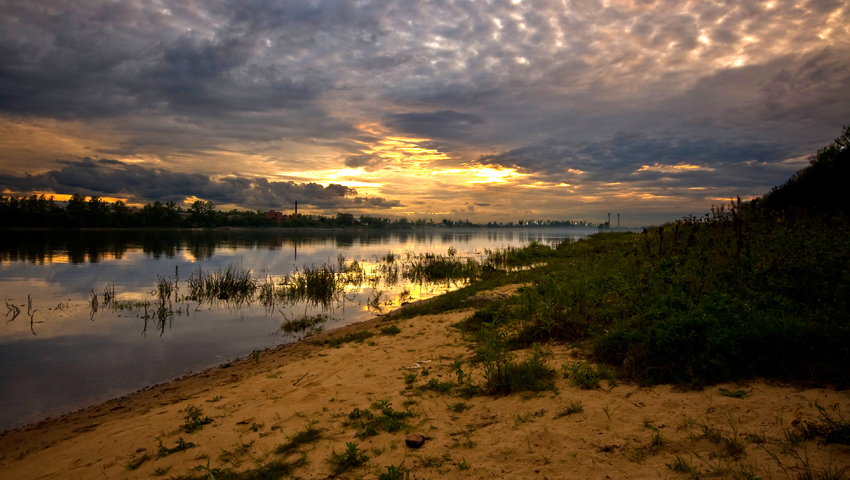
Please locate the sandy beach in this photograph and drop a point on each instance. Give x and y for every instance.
(259, 403)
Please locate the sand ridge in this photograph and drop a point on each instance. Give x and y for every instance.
(257, 404)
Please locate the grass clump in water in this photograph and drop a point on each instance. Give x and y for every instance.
(304, 323)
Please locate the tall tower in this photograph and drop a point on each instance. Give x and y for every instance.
(609, 219)
(296, 208)
(618, 220)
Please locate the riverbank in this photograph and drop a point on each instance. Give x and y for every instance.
(307, 402)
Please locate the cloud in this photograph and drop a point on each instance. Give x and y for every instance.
(367, 162)
(262, 87)
(631, 157)
(144, 184)
(439, 125)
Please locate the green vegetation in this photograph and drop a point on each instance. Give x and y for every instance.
(305, 323)
(575, 406)
(193, 421)
(138, 461)
(391, 330)
(358, 337)
(180, 445)
(272, 470)
(369, 424)
(352, 458)
(503, 375)
(585, 376)
(395, 473)
(750, 289)
(310, 434)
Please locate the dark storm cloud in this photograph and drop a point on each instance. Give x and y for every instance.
(442, 124)
(635, 157)
(143, 184)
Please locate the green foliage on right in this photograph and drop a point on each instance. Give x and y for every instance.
(743, 291)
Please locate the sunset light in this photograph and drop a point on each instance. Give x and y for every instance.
(470, 103)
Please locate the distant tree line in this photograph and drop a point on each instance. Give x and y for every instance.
(94, 212)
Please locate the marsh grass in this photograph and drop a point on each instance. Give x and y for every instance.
(233, 284)
(304, 323)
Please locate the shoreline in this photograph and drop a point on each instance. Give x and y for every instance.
(258, 404)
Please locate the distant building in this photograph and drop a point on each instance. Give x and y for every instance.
(279, 216)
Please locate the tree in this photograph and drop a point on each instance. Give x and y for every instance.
(820, 186)
(203, 213)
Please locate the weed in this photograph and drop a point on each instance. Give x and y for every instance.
(256, 427)
(369, 424)
(306, 436)
(503, 375)
(358, 337)
(680, 465)
(656, 442)
(459, 407)
(527, 417)
(409, 378)
(193, 420)
(461, 376)
(351, 458)
(463, 465)
(609, 412)
(214, 399)
(180, 445)
(394, 473)
(439, 386)
(161, 471)
(270, 470)
(735, 394)
(137, 462)
(584, 376)
(575, 406)
(390, 330)
(637, 455)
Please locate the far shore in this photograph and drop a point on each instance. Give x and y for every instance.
(256, 404)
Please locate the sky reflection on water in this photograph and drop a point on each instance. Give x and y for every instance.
(63, 357)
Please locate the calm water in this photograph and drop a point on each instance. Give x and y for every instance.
(58, 354)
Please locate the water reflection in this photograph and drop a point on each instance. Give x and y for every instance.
(87, 312)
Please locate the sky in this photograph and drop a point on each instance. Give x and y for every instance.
(465, 109)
